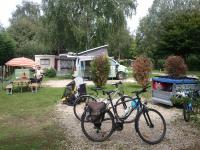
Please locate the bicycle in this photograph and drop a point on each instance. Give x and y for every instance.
(100, 127)
(82, 101)
(192, 105)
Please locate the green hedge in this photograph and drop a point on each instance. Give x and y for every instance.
(50, 73)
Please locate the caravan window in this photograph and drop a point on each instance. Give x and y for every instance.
(45, 62)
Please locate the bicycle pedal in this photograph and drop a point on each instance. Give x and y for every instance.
(119, 126)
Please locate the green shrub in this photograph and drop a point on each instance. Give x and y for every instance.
(179, 101)
(175, 66)
(125, 62)
(160, 64)
(50, 73)
(100, 68)
(193, 62)
(142, 68)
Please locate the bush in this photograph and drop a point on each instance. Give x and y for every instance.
(160, 64)
(125, 62)
(50, 73)
(142, 68)
(100, 68)
(175, 66)
(193, 62)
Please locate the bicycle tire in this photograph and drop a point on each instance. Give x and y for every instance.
(140, 122)
(80, 104)
(186, 113)
(108, 116)
(121, 105)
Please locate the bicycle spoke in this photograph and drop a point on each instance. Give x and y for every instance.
(151, 126)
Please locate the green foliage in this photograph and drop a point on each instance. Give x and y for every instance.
(78, 25)
(120, 44)
(193, 62)
(171, 28)
(7, 47)
(50, 73)
(142, 68)
(175, 66)
(27, 30)
(100, 68)
(160, 64)
(180, 101)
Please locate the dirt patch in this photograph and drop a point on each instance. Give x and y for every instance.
(179, 134)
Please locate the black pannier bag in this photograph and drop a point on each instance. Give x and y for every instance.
(96, 111)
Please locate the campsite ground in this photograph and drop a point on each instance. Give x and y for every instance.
(40, 121)
(179, 134)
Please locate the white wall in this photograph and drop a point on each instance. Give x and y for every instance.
(40, 59)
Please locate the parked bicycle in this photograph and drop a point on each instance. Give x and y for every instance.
(98, 121)
(82, 101)
(192, 105)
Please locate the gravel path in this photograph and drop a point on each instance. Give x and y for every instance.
(63, 83)
(179, 134)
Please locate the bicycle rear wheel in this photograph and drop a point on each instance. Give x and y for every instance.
(80, 104)
(124, 109)
(98, 131)
(187, 109)
(151, 126)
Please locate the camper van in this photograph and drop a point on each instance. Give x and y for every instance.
(82, 68)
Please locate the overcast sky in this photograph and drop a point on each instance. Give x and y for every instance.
(8, 6)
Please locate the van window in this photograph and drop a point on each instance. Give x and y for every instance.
(112, 63)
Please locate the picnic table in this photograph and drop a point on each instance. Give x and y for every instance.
(21, 83)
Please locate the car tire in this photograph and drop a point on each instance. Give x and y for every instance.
(120, 76)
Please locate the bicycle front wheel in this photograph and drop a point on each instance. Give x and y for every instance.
(98, 131)
(151, 126)
(80, 104)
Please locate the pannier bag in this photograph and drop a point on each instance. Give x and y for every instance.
(96, 112)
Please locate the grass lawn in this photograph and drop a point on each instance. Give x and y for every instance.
(26, 120)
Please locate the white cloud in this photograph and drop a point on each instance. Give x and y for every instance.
(7, 7)
(141, 11)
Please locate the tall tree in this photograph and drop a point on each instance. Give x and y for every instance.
(26, 28)
(7, 47)
(78, 25)
(169, 28)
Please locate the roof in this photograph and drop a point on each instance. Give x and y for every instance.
(167, 79)
(93, 49)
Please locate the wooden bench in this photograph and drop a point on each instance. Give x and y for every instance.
(34, 87)
(9, 88)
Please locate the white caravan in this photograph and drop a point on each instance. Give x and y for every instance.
(82, 68)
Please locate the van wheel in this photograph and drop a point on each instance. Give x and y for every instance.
(120, 75)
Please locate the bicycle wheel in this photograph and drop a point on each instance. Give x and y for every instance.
(100, 131)
(125, 112)
(80, 104)
(187, 109)
(150, 126)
